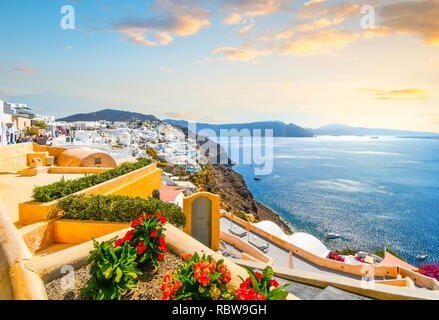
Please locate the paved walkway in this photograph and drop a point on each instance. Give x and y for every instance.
(280, 255)
(15, 189)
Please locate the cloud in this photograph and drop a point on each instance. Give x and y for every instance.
(320, 42)
(335, 11)
(245, 30)
(24, 69)
(251, 8)
(284, 35)
(402, 94)
(166, 69)
(416, 17)
(163, 38)
(234, 54)
(170, 18)
(233, 19)
(318, 24)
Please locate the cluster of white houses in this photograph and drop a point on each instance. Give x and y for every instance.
(15, 118)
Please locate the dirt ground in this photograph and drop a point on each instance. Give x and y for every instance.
(148, 286)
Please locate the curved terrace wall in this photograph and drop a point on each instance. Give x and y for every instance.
(16, 281)
(138, 183)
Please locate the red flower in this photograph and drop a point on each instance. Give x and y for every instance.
(119, 242)
(141, 248)
(160, 217)
(161, 257)
(154, 233)
(129, 235)
(186, 256)
(274, 283)
(142, 217)
(135, 223)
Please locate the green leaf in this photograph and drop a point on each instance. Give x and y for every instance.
(119, 275)
(266, 278)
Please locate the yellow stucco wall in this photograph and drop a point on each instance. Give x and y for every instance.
(39, 155)
(76, 232)
(13, 157)
(215, 225)
(137, 183)
(83, 170)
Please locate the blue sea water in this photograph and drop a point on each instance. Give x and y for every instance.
(373, 192)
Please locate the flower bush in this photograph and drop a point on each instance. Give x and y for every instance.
(197, 278)
(113, 271)
(146, 238)
(261, 286)
(347, 252)
(431, 270)
(334, 256)
(113, 263)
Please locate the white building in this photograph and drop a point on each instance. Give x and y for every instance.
(8, 129)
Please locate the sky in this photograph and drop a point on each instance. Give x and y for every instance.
(371, 63)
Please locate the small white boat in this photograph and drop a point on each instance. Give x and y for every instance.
(331, 235)
(421, 256)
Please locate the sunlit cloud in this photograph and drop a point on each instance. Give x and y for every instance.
(335, 11)
(416, 17)
(233, 19)
(24, 69)
(245, 30)
(235, 54)
(166, 69)
(320, 42)
(402, 94)
(171, 19)
(252, 8)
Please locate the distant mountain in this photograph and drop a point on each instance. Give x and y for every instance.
(280, 129)
(109, 115)
(343, 130)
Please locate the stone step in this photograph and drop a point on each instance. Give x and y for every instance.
(331, 293)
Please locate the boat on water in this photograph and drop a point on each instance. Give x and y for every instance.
(332, 235)
(257, 179)
(421, 256)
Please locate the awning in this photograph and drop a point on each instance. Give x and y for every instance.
(391, 260)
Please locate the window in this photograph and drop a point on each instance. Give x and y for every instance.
(98, 161)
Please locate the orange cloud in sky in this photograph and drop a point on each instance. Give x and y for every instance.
(24, 69)
(402, 94)
(417, 17)
(320, 42)
(234, 54)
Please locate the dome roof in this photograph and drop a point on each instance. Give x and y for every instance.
(271, 228)
(309, 243)
(79, 157)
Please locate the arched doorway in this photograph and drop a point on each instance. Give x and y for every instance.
(202, 220)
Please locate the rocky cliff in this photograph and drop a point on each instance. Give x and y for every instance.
(234, 193)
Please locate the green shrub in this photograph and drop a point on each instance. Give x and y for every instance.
(113, 271)
(64, 188)
(118, 208)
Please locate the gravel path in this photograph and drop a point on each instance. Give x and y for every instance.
(148, 286)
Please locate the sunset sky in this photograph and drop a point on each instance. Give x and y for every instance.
(306, 62)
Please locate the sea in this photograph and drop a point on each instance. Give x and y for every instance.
(375, 192)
